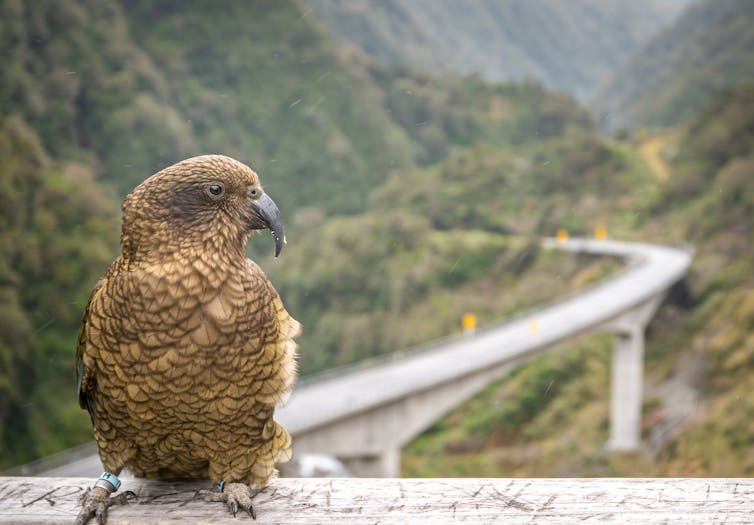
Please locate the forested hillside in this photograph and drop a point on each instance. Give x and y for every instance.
(58, 231)
(408, 199)
(571, 46)
(107, 93)
(667, 82)
(135, 86)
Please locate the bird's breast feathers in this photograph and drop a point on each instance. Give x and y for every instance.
(181, 328)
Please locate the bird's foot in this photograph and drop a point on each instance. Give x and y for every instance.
(95, 502)
(234, 495)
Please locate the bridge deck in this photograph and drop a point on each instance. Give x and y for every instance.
(418, 501)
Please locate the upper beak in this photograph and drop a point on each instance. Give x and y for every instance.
(268, 211)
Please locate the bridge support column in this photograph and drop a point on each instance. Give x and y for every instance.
(626, 395)
(386, 464)
(628, 376)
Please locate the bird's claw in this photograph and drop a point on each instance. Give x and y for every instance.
(95, 502)
(235, 496)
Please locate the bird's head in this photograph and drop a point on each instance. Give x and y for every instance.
(200, 199)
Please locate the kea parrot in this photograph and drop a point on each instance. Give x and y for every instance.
(185, 347)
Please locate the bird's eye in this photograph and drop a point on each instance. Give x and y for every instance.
(254, 193)
(215, 189)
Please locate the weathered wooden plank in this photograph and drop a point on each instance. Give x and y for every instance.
(417, 501)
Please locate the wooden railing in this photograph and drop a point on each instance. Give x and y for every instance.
(395, 500)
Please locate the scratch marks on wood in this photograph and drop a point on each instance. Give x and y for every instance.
(392, 501)
(48, 496)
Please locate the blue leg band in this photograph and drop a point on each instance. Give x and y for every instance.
(110, 479)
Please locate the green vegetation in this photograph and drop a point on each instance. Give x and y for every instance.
(517, 426)
(133, 89)
(549, 418)
(380, 281)
(409, 199)
(372, 284)
(58, 234)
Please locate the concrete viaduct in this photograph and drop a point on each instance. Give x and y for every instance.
(364, 417)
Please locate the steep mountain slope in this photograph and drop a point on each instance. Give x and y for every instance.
(259, 82)
(133, 87)
(73, 72)
(569, 46)
(138, 86)
(708, 49)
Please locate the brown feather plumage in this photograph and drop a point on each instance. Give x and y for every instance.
(185, 346)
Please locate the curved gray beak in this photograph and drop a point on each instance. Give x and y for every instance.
(269, 213)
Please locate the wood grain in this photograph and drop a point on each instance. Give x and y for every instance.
(416, 501)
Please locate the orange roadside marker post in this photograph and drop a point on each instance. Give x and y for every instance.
(468, 323)
(600, 233)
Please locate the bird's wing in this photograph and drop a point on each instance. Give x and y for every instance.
(85, 375)
(281, 373)
(276, 369)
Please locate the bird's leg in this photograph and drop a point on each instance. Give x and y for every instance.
(96, 500)
(234, 495)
